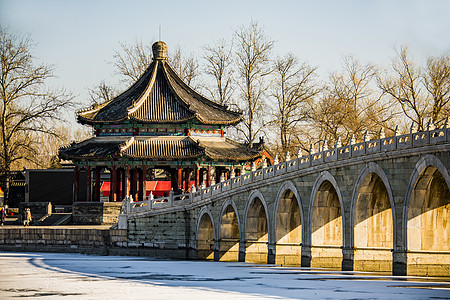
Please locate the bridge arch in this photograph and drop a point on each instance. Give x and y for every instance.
(228, 231)
(287, 223)
(205, 234)
(256, 228)
(426, 212)
(372, 220)
(326, 222)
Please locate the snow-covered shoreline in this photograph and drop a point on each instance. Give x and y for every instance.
(77, 276)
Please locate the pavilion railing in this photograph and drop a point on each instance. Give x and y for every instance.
(411, 140)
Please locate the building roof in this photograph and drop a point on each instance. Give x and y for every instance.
(160, 148)
(160, 96)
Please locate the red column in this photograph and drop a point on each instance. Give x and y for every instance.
(197, 176)
(97, 184)
(126, 191)
(112, 186)
(88, 184)
(77, 184)
(142, 176)
(218, 173)
(187, 179)
(174, 184)
(202, 175)
(132, 177)
(208, 178)
(119, 184)
(144, 183)
(133, 184)
(180, 177)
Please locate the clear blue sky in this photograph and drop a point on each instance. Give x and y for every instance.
(80, 37)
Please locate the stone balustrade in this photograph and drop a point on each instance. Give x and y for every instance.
(412, 140)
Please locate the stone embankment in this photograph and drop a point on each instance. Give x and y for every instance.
(69, 239)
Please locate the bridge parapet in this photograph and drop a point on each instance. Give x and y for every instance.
(381, 145)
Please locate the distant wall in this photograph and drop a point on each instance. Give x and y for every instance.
(54, 186)
(75, 240)
(95, 213)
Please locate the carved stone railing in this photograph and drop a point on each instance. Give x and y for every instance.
(406, 141)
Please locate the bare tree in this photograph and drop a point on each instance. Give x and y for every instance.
(293, 88)
(219, 59)
(349, 105)
(102, 93)
(405, 87)
(253, 49)
(186, 67)
(49, 145)
(27, 108)
(132, 60)
(437, 83)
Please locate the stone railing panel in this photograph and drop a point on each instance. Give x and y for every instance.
(292, 165)
(182, 199)
(280, 168)
(141, 206)
(421, 138)
(247, 178)
(226, 185)
(235, 182)
(197, 195)
(317, 158)
(206, 193)
(304, 162)
(360, 148)
(161, 203)
(330, 155)
(258, 175)
(437, 136)
(344, 152)
(216, 189)
(388, 143)
(404, 141)
(268, 172)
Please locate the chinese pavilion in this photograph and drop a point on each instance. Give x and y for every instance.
(158, 123)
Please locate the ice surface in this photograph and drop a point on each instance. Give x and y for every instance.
(77, 276)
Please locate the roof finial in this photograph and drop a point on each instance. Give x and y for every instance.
(159, 50)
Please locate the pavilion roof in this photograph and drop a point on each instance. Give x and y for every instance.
(160, 148)
(160, 96)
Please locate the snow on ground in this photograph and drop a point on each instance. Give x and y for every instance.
(77, 276)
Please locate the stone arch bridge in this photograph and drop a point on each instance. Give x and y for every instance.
(380, 205)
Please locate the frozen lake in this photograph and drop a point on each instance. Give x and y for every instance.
(77, 276)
